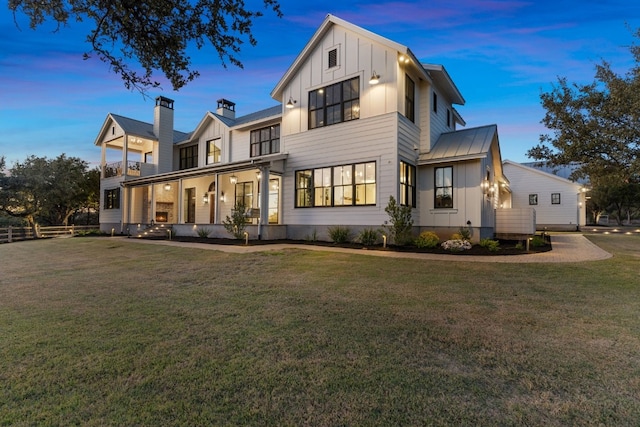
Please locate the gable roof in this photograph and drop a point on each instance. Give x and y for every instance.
(532, 169)
(135, 127)
(267, 113)
(443, 80)
(466, 144)
(326, 25)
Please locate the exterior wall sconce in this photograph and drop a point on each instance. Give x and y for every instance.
(222, 199)
(205, 198)
(291, 103)
(375, 78)
(167, 187)
(258, 175)
(486, 185)
(233, 179)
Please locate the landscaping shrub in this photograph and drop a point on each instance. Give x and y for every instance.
(537, 241)
(203, 232)
(369, 236)
(456, 245)
(400, 222)
(237, 222)
(492, 245)
(427, 239)
(339, 234)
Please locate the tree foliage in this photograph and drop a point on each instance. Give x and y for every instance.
(48, 190)
(155, 34)
(596, 127)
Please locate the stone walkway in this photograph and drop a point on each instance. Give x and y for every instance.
(566, 248)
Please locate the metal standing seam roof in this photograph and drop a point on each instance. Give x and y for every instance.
(276, 110)
(143, 129)
(462, 144)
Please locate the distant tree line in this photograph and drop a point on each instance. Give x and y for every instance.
(60, 191)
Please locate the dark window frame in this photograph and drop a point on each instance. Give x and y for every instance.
(333, 104)
(435, 102)
(409, 98)
(189, 157)
(112, 198)
(443, 194)
(265, 141)
(332, 58)
(533, 199)
(217, 151)
(308, 191)
(408, 187)
(555, 199)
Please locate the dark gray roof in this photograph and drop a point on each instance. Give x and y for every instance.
(251, 117)
(462, 144)
(143, 129)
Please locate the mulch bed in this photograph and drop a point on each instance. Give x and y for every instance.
(507, 247)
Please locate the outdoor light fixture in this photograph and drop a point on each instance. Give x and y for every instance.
(205, 198)
(222, 196)
(290, 103)
(233, 179)
(167, 187)
(485, 186)
(258, 175)
(375, 78)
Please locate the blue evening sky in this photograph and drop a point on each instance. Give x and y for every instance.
(501, 55)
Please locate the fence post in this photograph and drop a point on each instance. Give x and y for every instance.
(10, 234)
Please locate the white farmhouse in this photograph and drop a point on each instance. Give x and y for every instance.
(359, 120)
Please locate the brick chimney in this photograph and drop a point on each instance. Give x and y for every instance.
(226, 108)
(163, 130)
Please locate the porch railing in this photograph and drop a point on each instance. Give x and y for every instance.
(115, 169)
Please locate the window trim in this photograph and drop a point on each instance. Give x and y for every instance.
(320, 104)
(408, 187)
(190, 153)
(533, 199)
(554, 200)
(219, 150)
(273, 141)
(111, 198)
(436, 187)
(307, 193)
(409, 98)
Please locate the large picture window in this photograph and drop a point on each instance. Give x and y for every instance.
(333, 104)
(189, 157)
(213, 151)
(444, 187)
(265, 141)
(344, 185)
(407, 185)
(112, 198)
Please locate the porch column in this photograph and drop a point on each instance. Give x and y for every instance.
(264, 199)
(125, 149)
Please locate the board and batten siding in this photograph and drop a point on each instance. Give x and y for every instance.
(525, 180)
(345, 143)
(358, 56)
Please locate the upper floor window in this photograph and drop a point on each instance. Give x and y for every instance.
(444, 187)
(448, 118)
(555, 198)
(409, 98)
(345, 185)
(407, 185)
(533, 199)
(435, 102)
(332, 58)
(337, 103)
(213, 151)
(189, 157)
(112, 198)
(265, 141)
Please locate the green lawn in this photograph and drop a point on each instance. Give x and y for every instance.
(100, 331)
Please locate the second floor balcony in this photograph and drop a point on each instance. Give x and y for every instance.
(132, 169)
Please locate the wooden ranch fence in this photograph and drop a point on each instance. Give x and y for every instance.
(14, 234)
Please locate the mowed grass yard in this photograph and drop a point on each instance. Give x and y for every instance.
(101, 331)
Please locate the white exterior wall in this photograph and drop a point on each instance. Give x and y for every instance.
(439, 119)
(357, 57)
(357, 141)
(524, 180)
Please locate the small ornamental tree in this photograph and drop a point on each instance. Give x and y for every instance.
(400, 222)
(237, 222)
